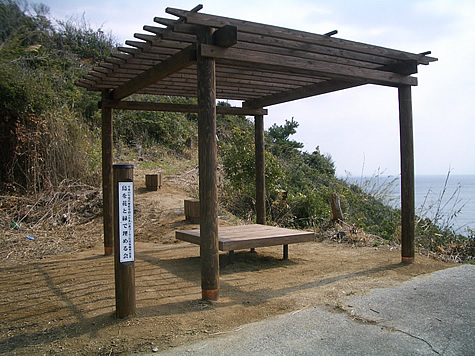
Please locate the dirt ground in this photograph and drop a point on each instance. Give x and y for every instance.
(65, 303)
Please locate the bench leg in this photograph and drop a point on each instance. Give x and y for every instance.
(286, 252)
(231, 257)
(253, 250)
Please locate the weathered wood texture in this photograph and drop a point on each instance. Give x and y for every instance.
(153, 181)
(225, 36)
(192, 210)
(407, 175)
(256, 63)
(260, 170)
(290, 34)
(208, 179)
(125, 299)
(187, 108)
(161, 70)
(337, 214)
(107, 188)
(284, 64)
(249, 236)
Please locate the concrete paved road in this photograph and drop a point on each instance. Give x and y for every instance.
(426, 316)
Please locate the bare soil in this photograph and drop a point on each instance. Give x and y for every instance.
(64, 302)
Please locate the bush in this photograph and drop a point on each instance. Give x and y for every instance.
(238, 158)
(42, 113)
(145, 129)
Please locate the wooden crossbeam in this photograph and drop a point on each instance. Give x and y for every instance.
(279, 44)
(294, 35)
(406, 67)
(181, 60)
(169, 107)
(225, 83)
(324, 52)
(266, 78)
(301, 93)
(313, 52)
(277, 62)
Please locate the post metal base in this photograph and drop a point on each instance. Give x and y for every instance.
(407, 260)
(210, 294)
(108, 250)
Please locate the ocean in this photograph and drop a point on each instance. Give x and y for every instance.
(448, 200)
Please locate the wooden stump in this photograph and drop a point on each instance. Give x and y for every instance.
(192, 210)
(337, 214)
(153, 181)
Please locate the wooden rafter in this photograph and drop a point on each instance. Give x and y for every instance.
(295, 64)
(301, 93)
(259, 64)
(169, 66)
(294, 35)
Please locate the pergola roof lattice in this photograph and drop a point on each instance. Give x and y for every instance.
(259, 64)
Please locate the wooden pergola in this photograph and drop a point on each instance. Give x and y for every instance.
(211, 57)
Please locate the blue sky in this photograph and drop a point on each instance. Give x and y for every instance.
(358, 127)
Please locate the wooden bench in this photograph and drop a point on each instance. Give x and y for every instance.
(232, 238)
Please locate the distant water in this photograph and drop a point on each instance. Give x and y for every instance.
(458, 197)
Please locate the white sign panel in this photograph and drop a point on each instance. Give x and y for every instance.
(126, 221)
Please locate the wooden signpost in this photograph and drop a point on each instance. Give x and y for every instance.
(124, 251)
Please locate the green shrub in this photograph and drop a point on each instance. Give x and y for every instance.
(42, 112)
(238, 158)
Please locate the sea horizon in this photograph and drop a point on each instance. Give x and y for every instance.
(451, 200)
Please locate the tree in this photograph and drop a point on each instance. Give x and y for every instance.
(278, 141)
(320, 163)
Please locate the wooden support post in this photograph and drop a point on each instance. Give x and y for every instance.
(124, 265)
(107, 159)
(260, 170)
(407, 175)
(286, 252)
(208, 180)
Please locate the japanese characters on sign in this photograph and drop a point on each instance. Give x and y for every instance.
(126, 221)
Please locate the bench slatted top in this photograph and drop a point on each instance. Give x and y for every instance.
(249, 236)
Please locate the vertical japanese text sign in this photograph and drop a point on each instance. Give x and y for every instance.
(126, 221)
